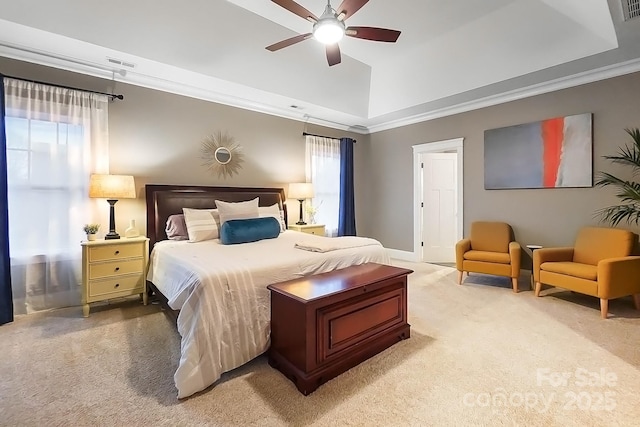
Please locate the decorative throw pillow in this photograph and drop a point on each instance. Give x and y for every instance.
(176, 228)
(201, 224)
(237, 231)
(237, 210)
(275, 212)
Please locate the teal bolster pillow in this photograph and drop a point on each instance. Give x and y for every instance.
(237, 231)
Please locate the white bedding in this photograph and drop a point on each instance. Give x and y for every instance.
(221, 293)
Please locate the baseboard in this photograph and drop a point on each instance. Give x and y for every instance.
(402, 255)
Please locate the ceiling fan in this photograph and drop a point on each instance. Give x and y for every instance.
(330, 27)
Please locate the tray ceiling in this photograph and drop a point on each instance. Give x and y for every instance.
(451, 56)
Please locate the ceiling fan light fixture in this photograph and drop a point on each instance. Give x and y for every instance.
(328, 31)
(330, 27)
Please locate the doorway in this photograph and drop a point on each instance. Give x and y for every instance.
(438, 209)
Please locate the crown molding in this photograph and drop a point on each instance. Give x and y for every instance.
(179, 81)
(27, 54)
(180, 88)
(578, 79)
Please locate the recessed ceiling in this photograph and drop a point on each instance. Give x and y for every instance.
(452, 55)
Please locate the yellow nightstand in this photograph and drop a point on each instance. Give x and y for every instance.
(317, 229)
(113, 269)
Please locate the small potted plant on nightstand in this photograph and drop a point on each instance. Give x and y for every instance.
(91, 230)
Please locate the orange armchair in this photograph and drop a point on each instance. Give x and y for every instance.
(599, 264)
(490, 249)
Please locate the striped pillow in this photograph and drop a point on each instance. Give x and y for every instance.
(275, 212)
(237, 210)
(202, 224)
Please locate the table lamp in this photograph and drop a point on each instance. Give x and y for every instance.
(112, 188)
(301, 191)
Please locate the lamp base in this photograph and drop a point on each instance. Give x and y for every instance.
(301, 222)
(112, 235)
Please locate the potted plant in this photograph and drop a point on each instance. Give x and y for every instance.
(628, 191)
(91, 230)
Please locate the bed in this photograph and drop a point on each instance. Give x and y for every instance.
(219, 292)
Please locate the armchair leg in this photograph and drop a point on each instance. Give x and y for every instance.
(538, 288)
(460, 277)
(636, 301)
(604, 307)
(514, 281)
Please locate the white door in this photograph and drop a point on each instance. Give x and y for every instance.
(439, 206)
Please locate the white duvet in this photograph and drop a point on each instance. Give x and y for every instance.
(221, 292)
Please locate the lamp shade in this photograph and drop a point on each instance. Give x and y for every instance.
(112, 187)
(301, 190)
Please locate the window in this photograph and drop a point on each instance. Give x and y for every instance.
(323, 170)
(44, 168)
(56, 138)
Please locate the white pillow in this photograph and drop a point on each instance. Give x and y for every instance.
(273, 211)
(237, 210)
(202, 224)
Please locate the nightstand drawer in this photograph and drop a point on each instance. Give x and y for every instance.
(108, 269)
(108, 252)
(319, 230)
(109, 286)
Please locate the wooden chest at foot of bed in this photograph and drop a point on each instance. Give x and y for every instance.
(323, 325)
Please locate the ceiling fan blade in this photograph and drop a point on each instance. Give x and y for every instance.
(333, 54)
(373, 33)
(294, 7)
(288, 42)
(349, 7)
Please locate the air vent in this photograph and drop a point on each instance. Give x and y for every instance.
(120, 62)
(631, 9)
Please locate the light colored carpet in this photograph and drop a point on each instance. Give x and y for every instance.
(470, 345)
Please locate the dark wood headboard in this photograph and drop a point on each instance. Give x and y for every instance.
(165, 200)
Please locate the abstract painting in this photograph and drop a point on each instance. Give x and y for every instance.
(551, 153)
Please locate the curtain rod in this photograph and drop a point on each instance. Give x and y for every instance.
(321, 136)
(110, 95)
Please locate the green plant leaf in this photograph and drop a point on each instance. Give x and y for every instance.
(627, 191)
(615, 214)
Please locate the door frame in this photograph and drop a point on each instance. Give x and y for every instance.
(447, 145)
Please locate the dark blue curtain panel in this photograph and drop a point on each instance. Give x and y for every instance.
(347, 212)
(6, 296)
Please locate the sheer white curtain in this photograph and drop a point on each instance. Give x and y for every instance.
(323, 170)
(56, 138)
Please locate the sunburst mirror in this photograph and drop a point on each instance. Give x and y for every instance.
(221, 154)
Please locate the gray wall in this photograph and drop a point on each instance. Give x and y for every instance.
(156, 137)
(538, 216)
